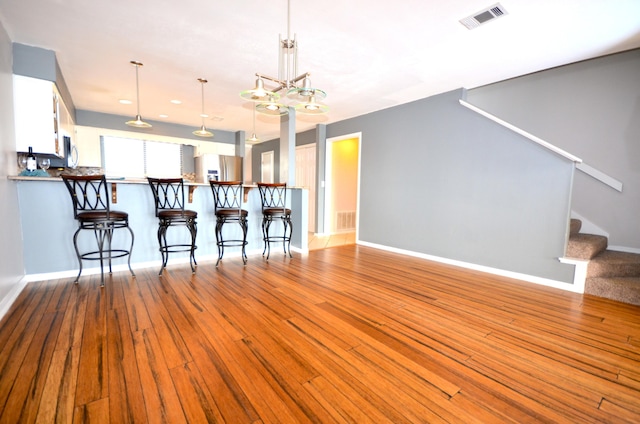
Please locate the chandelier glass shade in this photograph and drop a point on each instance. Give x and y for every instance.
(138, 122)
(296, 88)
(306, 92)
(258, 93)
(272, 107)
(311, 107)
(202, 131)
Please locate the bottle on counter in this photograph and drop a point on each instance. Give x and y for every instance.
(32, 163)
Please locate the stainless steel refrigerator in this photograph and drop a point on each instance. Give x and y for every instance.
(218, 167)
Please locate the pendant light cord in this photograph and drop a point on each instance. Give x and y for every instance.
(137, 89)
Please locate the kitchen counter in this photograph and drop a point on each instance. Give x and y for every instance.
(48, 226)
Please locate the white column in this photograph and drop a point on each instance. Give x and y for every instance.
(288, 148)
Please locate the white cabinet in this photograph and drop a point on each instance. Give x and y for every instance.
(37, 109)
(88, 143)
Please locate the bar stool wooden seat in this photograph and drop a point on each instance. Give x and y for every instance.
(91, 208)
(227, 200)
(168, 195)
(274, 207)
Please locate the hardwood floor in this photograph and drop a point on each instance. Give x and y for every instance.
(347, 334)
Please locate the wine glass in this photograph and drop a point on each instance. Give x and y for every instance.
(22, 162)
(45, 163)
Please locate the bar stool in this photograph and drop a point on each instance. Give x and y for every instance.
(227, 200)
(168, 195)
(274, 201)
(90, 198)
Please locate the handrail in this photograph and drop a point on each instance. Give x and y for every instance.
(600, 176)
(521, 132)
(579, 164)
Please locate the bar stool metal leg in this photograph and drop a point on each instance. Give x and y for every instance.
(193, 229)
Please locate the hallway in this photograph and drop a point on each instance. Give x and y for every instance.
(321, 242)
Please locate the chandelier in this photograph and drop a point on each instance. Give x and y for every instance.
(296, 87)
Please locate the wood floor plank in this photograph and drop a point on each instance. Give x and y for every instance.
(96, 412)
(25, 396)
(171, 341)
(347, 405)
(346, 334)
(14, 352)
(93, 370)
(58, 400)
(198, 404)
(338, 368)
(70, 336)
(126, 401)
(135, 306)
(231, 400)
(19, 313)
(160, 396)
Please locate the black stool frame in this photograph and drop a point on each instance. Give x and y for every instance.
(227, 200)
(168, 195)
(90, 198)
(274, 207)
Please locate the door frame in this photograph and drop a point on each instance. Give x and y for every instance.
(328, 183)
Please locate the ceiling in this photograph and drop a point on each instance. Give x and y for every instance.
(366, 55)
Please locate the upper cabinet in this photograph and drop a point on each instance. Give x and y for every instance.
(41, 118)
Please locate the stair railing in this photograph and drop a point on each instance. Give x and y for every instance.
(579, 164)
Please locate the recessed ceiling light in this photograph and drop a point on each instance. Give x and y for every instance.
(125, 101)
(176, 102)
(163, 115)
(204, 115)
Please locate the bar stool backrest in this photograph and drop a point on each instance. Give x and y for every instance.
(227, 195)
(168, 194)
(273, 196)
(89, 193)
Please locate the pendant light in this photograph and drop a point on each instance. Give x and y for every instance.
(254, 138)
(202, 132)
(138, 122)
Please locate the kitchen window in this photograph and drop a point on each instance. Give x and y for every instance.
(134, 158)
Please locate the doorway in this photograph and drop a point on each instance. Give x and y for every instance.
(306, 177)
(266, 167)
(342, 182)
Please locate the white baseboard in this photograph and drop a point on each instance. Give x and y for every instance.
(139, 265)
(495, 271)
(11, 297)
(624, 249)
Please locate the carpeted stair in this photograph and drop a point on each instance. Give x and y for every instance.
(611, 274)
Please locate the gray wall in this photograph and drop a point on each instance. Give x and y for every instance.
(307, 137)
(439, 179)
(11, 248)
(36, 62)
(592, 110)
(117, 122)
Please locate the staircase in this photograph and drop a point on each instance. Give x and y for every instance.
(611, 274)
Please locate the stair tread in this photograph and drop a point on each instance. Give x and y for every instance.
(617, 256)
(622, 289)
(611, 263)
(585, 246)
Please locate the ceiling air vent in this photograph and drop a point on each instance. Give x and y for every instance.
(484, 16)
